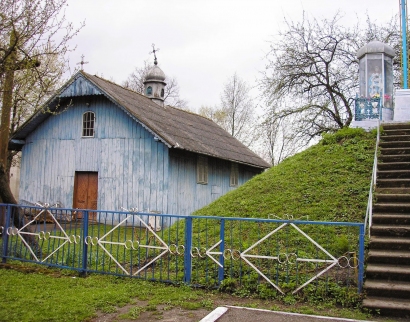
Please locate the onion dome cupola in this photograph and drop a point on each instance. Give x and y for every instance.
(154, 84)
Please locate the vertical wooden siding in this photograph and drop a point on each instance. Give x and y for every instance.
(132, 167)
(186, 196)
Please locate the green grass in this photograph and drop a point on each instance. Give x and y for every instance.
(327, 182)
(35, 293)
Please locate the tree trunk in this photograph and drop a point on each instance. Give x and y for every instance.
(7, 104)
(19, 220)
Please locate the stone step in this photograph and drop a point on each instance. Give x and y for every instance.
(391, 207)
(388, 306)
(394, 151)
(395, 126)
(395, 158)
(392, 137)
(392, 197)
(388, 256)
(388, 272)
(393, 174)
(393, 183)
(392, 190)
(387, 289)
(395, 143)
(393, 166)
(395, 131)
(391, 219)
(393, 243)
(390, 230)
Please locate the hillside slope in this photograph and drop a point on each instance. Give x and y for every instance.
(327, 182)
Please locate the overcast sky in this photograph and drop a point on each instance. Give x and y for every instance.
(201, 42)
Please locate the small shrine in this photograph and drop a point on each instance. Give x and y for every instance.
(375, 98)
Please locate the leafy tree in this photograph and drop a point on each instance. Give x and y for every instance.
(311, 74)
(34, 41)
(135, 82)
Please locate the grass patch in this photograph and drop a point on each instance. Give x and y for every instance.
(30, 293)
(328, 182)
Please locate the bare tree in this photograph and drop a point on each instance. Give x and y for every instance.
(278, 139)
(236, 113)
(34, 37)
(313, 65)
(135, 82)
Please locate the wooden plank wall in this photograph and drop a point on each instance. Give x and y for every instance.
(132, 167)
(186, 195)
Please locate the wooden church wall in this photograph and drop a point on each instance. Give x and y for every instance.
(186, 195)
(132, 167)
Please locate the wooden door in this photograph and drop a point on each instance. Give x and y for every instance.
(86, 193)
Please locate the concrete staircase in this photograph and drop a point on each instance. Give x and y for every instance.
(387, 284)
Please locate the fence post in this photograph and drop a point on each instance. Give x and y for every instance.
(85, 246)
(187, 254)
(4, 233)
(221, 249)
(361, 259)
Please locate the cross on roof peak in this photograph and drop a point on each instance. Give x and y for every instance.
(82, 62)
(153, 52)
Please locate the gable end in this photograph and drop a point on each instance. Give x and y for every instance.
(80, 87)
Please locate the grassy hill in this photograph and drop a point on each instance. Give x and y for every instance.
(327, 182)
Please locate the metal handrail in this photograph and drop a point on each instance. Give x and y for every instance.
(369, 210)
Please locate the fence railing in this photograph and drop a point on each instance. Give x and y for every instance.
(264, 255)
(373, 182)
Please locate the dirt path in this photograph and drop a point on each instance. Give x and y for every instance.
(140, 311)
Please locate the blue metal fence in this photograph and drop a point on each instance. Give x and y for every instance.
(280, 255)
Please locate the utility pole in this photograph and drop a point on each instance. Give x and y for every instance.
(403, 7)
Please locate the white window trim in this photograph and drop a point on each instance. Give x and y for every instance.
(84, 130)
(202, 170)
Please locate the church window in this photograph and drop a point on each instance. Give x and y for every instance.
(149, 90)
(162, 92)
(234, 175)
(202, 170)
(88, 124)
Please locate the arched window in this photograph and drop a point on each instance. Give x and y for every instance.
(149, 90)
(162, 92)
(88, 124)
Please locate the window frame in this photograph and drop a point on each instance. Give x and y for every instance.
(234, 175)
(202, 170)
(88, 124)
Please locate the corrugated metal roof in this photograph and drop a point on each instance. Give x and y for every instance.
(177, 128)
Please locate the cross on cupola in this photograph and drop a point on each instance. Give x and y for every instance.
(153, 52)
(154, 83)
(82, 62)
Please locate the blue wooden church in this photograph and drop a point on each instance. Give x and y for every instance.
(102, 146)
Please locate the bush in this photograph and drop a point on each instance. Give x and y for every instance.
(343, 134)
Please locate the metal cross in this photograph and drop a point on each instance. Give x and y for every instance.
(82, 62)
(153, 52)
